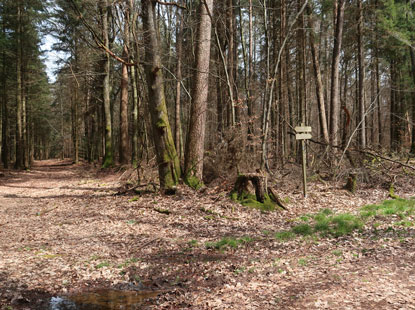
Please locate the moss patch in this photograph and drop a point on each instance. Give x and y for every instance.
(194, 182)
(249, 200)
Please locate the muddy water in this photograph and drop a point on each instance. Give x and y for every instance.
(104, 299)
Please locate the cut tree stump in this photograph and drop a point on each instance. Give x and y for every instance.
(258, 181)
(351, 183)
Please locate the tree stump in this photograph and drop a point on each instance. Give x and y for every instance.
(257, 180)
(351, 183)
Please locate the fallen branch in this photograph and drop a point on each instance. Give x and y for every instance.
(274, 197)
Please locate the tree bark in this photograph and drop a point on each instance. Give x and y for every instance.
(318, 80)
(167, 159)
(177, 117)
(196, 136)
(19, 164)
(124, 148)
(361, 69)
(334, 98)
(4, 114)
(109, 157)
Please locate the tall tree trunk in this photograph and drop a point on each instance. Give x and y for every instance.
(230, 20)
(250, 102)
(19, 164)
(134, 83)
(393, 108)
(168, 162)
(177, 117)
(136, 101)
(378, 101)
(361, 67)
(75, 124)
(25, 124)
(109, 156)
(377, 73)
(334, 98)
(412, 54)
(318, 80)
(124, 148)
(4, 114)
(196, 136)
(301, 84)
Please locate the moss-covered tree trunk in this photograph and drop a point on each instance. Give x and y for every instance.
(167, 159)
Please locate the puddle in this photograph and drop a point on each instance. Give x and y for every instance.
(104, 299)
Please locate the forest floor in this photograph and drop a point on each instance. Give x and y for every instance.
(63, 230)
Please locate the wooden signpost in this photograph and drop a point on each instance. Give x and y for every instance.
(303, 133)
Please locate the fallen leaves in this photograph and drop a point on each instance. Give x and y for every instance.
(64, 230)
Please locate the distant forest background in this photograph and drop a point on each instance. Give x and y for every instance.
(207, 87)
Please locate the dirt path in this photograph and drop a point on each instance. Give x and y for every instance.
(63, 230)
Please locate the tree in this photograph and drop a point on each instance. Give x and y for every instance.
(109, 156)
(334, 91)
(167, 159)
(196, 136)
(124, 139)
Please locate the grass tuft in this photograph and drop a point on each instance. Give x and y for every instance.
(228, 242)
(302, 229)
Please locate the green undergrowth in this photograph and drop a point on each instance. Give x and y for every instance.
(328, 224)
(249, 200)
(228, 243)
(400, 207)
(194, 182)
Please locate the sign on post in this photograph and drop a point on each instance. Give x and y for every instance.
(303, 133)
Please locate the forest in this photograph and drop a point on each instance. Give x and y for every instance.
(194, 154)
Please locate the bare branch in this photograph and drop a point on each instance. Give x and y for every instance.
(97, 39)
(172, 3)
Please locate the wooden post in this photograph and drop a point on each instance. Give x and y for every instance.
(303, 133)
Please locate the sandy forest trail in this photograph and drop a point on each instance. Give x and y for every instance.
(63, 230)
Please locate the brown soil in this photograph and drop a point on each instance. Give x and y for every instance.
(63, 230)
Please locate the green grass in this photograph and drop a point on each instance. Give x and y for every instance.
(302, 229)
(193, 243)
(127, 262)
(328, 224)
(227, 243)
(400, 207)
(284, 235)
(405, 223)
(101, 265)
